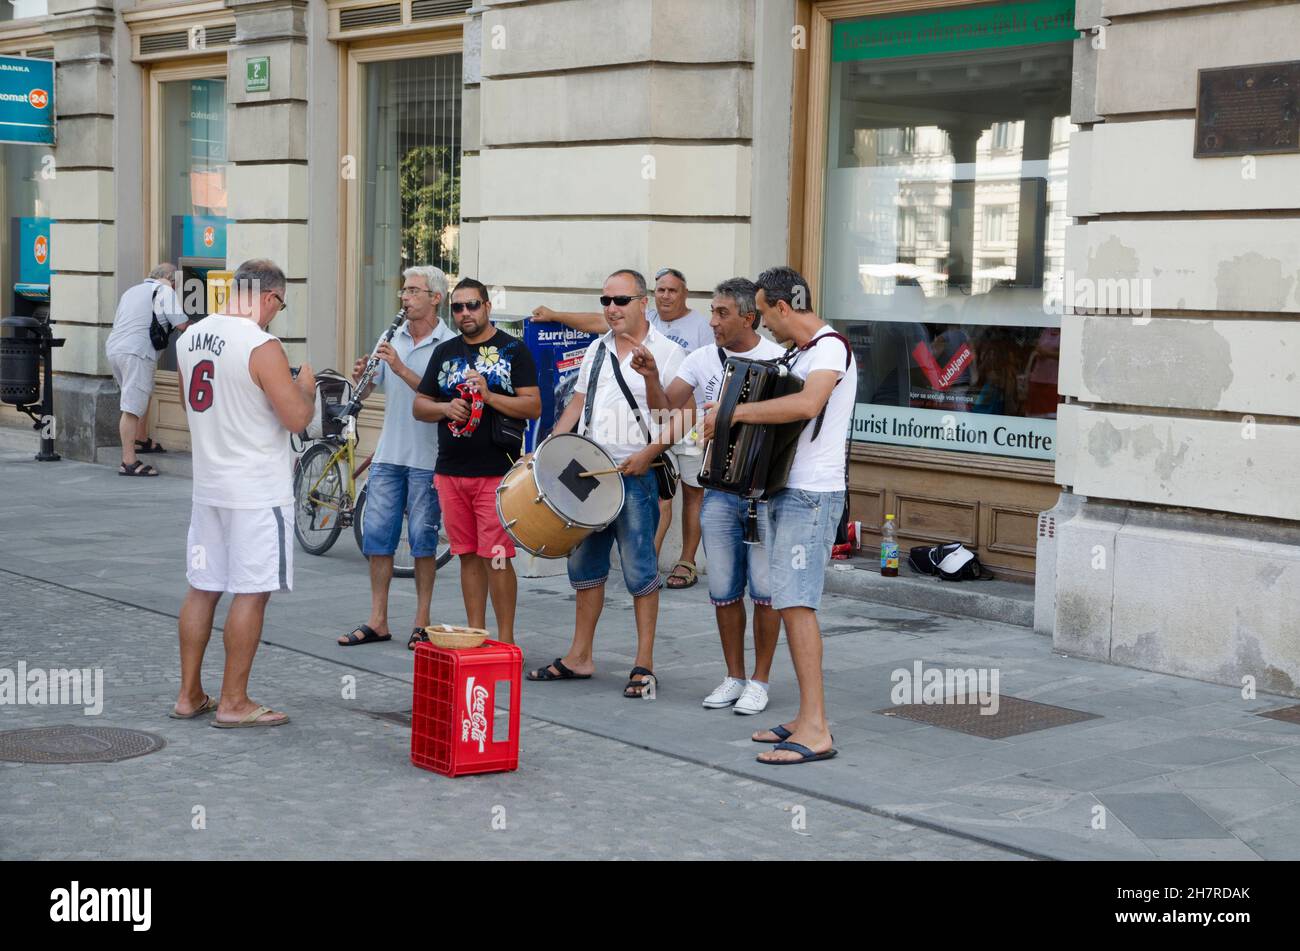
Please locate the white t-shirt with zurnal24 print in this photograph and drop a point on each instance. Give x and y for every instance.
(819, 465)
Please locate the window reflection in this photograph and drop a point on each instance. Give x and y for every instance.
(943, 254)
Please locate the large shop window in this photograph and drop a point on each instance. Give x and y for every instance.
(25, 186)
(410, 169)
(191, 222)
(943, 250)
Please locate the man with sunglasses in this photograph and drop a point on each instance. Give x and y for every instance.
(401, 472)
(646, 360)
(673, 317)
(501, 373)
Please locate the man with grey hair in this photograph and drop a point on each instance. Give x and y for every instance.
(401, 472)
(734, 566)
(241, 403)
(133, 360)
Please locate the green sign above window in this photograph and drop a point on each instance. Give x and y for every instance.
(258, 77)
(954, 31)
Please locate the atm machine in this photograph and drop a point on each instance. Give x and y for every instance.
(30, 248)
(201, 268)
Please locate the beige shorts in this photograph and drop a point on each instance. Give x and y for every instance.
(689, 467)
(134, 376)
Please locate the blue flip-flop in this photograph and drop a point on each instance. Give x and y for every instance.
(806, 755)
(781, 732)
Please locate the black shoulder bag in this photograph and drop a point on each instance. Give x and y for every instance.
(159, 333)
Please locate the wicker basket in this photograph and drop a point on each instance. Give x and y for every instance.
(455, 638)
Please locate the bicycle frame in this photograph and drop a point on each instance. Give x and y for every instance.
(345, 452)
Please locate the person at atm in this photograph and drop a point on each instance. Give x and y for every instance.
(133, 359)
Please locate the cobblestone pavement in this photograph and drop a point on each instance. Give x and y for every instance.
(336, 783)
(1166, 767)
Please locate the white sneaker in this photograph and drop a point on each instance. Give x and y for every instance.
(753, 700)
(725, 694)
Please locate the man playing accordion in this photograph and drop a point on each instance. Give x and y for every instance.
(803, 516)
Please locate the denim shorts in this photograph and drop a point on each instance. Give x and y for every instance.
(391, 492)
(801, 530)
(732, 563)
(635, 531)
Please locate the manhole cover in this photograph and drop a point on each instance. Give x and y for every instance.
(1286, 714)
(76, 744)
(1014, 717)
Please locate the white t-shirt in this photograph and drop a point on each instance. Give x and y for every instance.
(689, 331)
(819, 466)
(241, 452)
(702, 370)
(613, 424)
(130, 333)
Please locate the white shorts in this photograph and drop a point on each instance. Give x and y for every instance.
(688, 465)
(243, 551)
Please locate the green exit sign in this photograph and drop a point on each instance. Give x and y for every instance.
(258, 76)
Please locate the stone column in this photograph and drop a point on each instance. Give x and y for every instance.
(84, 207)
(1178, 358)
(267, 177)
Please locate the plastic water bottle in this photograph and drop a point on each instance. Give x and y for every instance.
(889, 549)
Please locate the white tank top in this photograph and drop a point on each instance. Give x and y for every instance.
(242, 458)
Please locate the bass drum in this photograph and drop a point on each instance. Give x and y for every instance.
(548, 506)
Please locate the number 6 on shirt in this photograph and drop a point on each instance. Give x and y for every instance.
(200, 394)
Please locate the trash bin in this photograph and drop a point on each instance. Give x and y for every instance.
(20, 360)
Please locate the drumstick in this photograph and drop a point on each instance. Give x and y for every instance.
(601, 472)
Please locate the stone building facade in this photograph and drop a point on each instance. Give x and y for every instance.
(961, 183)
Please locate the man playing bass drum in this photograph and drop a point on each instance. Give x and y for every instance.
(803, 516)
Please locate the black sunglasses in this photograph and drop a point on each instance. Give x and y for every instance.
(622, 300)
(470, 305)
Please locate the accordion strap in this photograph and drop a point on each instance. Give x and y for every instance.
(848, 358)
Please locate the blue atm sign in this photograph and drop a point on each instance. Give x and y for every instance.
(26, 100)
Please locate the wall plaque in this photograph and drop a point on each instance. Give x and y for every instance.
(1248, 110)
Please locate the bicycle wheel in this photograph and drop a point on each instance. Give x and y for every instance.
(403, 563)
(320, 495)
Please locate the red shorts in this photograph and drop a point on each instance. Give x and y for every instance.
(469, 513)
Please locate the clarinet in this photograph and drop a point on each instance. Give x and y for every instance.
(372, 365)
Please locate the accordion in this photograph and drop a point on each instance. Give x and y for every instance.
(749, 459)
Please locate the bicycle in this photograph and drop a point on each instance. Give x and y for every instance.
(326, 500)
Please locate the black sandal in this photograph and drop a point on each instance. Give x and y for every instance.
(368, 636)
(417, 637)
(640, 685)
(543, 674)
(138, 469)
(148, 445)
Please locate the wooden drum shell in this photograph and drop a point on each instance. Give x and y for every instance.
(535, 527)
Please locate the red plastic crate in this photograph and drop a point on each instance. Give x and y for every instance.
(453, 708)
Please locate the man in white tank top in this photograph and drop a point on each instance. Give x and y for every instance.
(241, 402)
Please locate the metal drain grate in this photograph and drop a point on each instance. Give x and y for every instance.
(1286, 714)
(1014, 717)
(77, 744)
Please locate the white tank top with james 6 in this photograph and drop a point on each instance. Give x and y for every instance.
(242, 458)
